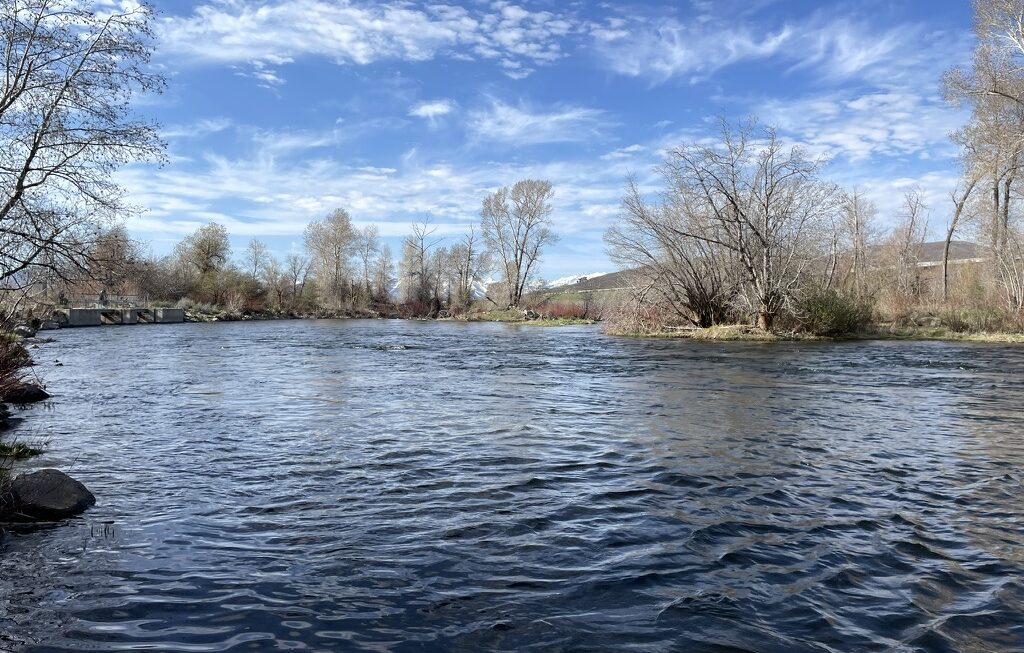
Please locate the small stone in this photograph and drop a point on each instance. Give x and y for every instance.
(50, 494)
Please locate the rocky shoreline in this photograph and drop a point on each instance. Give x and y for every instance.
(37, 496)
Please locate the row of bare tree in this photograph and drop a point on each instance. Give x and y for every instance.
(747, 226)
(71, 70)
(341, 268)
(742, 227)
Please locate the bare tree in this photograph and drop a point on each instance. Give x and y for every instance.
(674, 265)
(415, 267)
(384, 275)
(206, 250)
(70, 73)
(256, 257)
(367, 251)
(331, 243)
(993, 86)
(516, 225)
(470, 260)
(906, 242)
(858, 234)
(297, 270)
(114, 260)
(763, 202)
(275, 280)
(959, 203)
(1010, 267)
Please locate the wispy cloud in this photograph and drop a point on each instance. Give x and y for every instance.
(266, 34)
(659, 48)
(893, 122)
(197, 129)
(525, 125)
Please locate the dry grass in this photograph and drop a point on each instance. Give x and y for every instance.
(723, 333)
(14, 359)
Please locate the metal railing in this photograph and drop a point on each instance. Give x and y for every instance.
(95, 300)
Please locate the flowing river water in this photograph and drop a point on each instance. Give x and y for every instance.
(416, 486)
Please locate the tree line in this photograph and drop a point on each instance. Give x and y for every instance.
(746, 229)
(341, 268)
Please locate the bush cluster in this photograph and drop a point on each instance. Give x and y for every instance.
(828, 313)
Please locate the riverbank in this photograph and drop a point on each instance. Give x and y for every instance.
(747, 333)
(510, 316)
(39, 495)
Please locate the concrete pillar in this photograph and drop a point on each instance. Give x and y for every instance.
(80, 317)
(168, 315)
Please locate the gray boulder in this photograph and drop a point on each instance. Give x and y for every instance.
(24, 331)
(26, 393)
(49, 494)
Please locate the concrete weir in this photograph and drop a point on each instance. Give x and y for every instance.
(84, 317)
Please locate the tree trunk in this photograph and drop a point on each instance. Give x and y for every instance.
(959, 204)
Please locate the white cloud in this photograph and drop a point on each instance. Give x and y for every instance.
(276, 32)
(433, 109)
(669, 48)
(624, 152)
(525, 125)
(886, 122)
(275, 192)
(659, 48)
(197, 129)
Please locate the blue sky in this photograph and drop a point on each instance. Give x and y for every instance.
(278, 111)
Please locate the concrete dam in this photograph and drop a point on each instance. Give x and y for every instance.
(86, 317)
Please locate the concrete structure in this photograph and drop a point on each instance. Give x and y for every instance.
(168, 315)
(83, 317)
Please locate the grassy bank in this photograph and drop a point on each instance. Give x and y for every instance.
(746, 333)
(211, 313)
(513, 316)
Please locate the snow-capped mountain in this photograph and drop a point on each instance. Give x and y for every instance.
(566, 281)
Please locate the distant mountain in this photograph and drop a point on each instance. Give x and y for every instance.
(575, 278)
(928, 254)
(602, 281)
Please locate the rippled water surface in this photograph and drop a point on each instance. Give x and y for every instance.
(405, 486)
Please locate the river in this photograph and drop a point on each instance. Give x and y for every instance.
(417, 486)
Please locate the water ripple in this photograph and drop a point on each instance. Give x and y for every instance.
(403, 486)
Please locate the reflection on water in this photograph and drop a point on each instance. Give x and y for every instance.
(432, 486)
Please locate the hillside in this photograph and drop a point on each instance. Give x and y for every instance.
(929, 255)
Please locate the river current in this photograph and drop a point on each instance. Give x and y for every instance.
(417, 486)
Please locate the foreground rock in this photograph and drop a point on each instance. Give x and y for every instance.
(26, 393)
(49, 494)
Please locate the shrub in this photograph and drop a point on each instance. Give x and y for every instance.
(563, 310)
(965, 320)
(828, 313)
(13, 361)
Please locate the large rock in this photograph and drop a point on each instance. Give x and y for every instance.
(49, 494)
(24, 331)
(26, 393)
